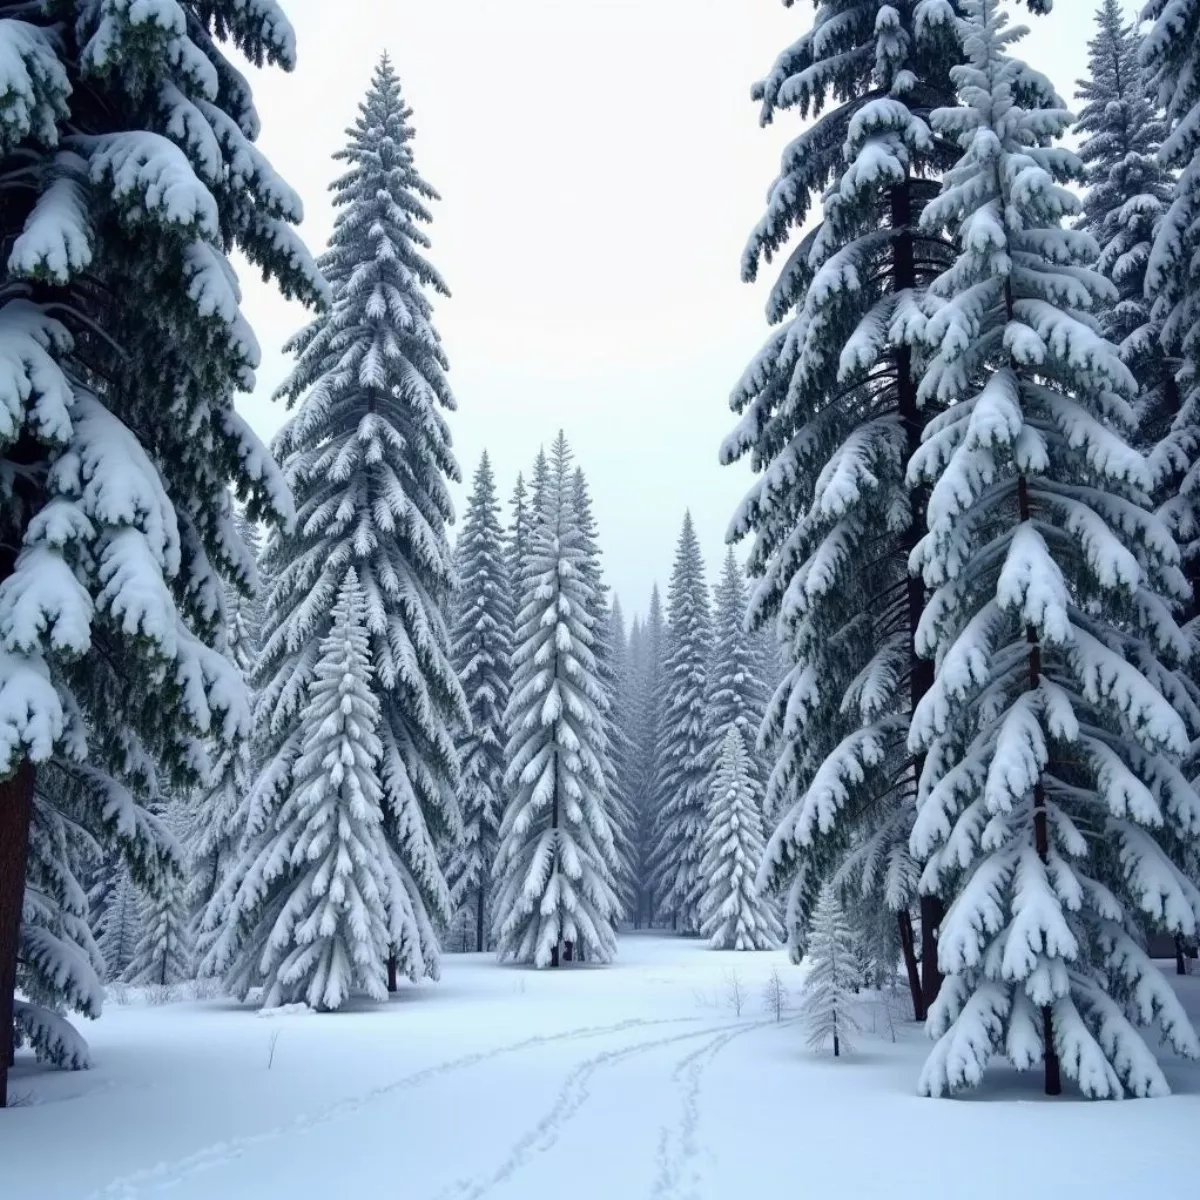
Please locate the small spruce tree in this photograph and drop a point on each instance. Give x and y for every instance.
(833, 976)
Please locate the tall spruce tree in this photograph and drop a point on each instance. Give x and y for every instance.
(682, 763)
(557, 862)
(733, 916)
(1052, 760)
(519, 532)
(1128, 192)
(623, 747)
(737, 689)
(481, 651)
(648, 745)
(131, 174)
(830, 416)
(368, 456)
(163, 953)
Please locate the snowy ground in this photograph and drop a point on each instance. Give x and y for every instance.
(627, 1082)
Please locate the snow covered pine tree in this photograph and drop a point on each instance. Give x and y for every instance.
(368, 456)
(556, 865)
(827, 1006)
(733, 916)
(131, 136)
(649, 677)
(682, 780)
(830, 416)
(481, 650)
(1052, 761)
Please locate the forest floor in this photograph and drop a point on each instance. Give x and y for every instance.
(637, 1081)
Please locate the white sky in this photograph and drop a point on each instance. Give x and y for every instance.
(601, 166)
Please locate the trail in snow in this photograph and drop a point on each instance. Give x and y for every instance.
(576, 1090)
(165, 1175)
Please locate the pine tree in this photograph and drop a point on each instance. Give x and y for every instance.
(1052, 760)
(648, 747)
(481, 650)
(368, 456)
(829, 414)
(828, 1005)
(623, 748)
(1169, 54)
(127, 143)
(737, 691)
(683, 765)
(557, 861)
(732, 914)
(163, 953)
(1128, 192)
(120, 927)
(615, 748)
(214, 819)
(519, 534)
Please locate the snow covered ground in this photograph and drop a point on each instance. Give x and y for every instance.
(624, 1082)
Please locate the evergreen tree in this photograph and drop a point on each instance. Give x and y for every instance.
(1128, 191)
(368, 456)
(215, 816)
(519, 533)
(830, 416)
(732, 914)
(481, 651)
(131, 175)
(832, 979)
(648, 747)
(737, 691)
(120, 927)
(1052, 760)
(163, 953)
(1169, 54)
(557, 861)
(615, 747)
(623, 748)
(682, 764)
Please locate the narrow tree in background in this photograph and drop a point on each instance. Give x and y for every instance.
(828, 1003)
(1052, 761)
(682, 765)
(733, 916)
(163, 954)
(481, 650)
(556, 864)
(516, 548)
(130, 177)
(647, 748)
(368, 456)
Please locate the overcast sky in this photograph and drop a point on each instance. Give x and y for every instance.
(601, 165)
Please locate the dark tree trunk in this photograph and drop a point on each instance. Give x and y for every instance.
(920, 670)
(1180, 965)
(554, 956)
(909, 950)
(479, 922)
(391, 969)
(16, 813)
(568, 951)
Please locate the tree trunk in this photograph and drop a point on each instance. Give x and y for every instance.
(16, 813)
(909, 949)
(836, 1047)
(568, 951)
(920, 670)
(391, 969)
(1180, 965)
(554, 956)
(479, 922)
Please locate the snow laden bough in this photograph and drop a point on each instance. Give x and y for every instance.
(1051, 796)
(133, 136)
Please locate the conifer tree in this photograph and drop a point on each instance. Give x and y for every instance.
(737, 692)
(368, 456)
(1128, 192)
(214, 817)
(829, 414)
(682, 762)
(733, 916)
(1052, 761)
(623, 748)
(519, 531)
(131, 174)
(832, 979)
(481, 650)
(119, 928)
(163, 953)
(556, 864)
(648, 747)
(615, 747)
